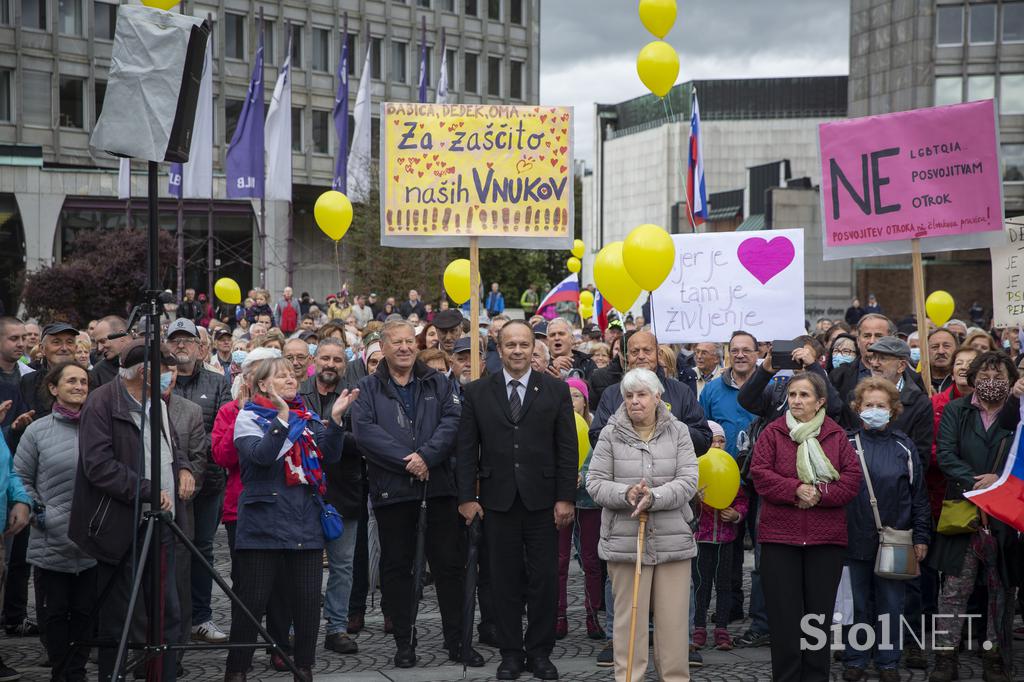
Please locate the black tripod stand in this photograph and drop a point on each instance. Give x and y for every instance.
(155, 521)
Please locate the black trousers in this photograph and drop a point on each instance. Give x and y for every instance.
(800, 580)
(279, 615)
(68, 600)
(259, 572)
(714, 568)
(484, 590)
(18, 572)
(444, 550)
(735, 579)
(514, 540)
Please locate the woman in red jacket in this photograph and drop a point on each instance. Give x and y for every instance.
(805, 472)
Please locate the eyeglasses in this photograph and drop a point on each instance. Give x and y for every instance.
(740, 352)
(296, 358)
(182, 340)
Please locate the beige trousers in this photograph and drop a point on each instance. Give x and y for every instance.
(668, 586)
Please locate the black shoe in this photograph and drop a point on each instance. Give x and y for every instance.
(488, 636)
(696, 660)
(26, 628)
(542, 668)
(914, 657)
(510, 667)
(340, 643)
(751, 639)
(472, 659)
(606, 658)
(405, 657)
(8, 674)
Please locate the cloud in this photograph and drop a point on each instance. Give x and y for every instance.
(588, 48)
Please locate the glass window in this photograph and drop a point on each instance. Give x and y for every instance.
(234, 36)
(494, 10)
(449, 66)
(1013, 162)
(494, 76)
(981, 87)
(36, 101)
(70, 13)
(99, 92)
(297, 129)
(72, 102)
(5, 13)
(983, 24)
(104, 18)
(948, 90)
(232, 110)
(297, 46)
(399, 65)
(425, 4)
(516, 11)
(1013, 22)
(448, 5)
(268, 42)
(352, 57)
(470, 80)
(515, 80)
(377, 59)
(1011, 94)
(950, 25)
(6, 110)
(321, 49)
(375, 137)
(472, 9)
(321, 135)
(33, 14)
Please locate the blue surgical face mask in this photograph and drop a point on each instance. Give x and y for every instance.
(875, 417)
(840, 360)
(350, 354)
(165, 381)
(312, 348)
(238, 356)
(1007, 343)
(915, 355)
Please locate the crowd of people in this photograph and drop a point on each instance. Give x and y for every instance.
(315, 433)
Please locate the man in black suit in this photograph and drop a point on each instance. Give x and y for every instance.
(517, 438)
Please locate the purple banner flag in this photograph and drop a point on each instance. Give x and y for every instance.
(174, 173)
(423, 60)
(243, 164)
(340, 182)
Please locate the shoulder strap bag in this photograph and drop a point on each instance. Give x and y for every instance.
(895, 559)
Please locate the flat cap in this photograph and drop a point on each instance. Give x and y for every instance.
(890, 345)
(448, 319)
(58, 328)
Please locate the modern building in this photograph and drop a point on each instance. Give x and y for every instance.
(54, 60)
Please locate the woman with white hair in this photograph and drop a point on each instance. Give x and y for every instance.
(644, 461)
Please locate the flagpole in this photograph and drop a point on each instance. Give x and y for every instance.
(209, 224)
(180, 238)
(263, 205)
(289, 265)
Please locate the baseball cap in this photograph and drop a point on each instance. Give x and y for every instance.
(58, 328)
(135, 352)
(448, 319)
(890, 345)
(221, 331)
(184, 326)
(462, 345)
(540, 330)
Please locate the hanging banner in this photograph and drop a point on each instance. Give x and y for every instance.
(1008, 278)
(724, 281)
(932, 174)
(498, 172)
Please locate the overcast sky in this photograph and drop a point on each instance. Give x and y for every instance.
(589, 47)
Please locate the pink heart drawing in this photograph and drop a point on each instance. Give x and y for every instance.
(764, 259)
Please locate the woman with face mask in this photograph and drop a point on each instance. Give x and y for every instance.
(894, 468)
(842, 352)
(972, 448)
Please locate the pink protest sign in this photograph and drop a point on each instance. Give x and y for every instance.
(923, 173)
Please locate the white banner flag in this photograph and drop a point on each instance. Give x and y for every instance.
(278, 136)
(124, 179)
(197, 174)
(360, 155)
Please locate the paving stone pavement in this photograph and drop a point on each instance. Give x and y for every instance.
(574, 656)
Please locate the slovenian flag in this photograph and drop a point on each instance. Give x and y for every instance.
(696, 189)
(566, 290)
(601, 309)
(1004, 500)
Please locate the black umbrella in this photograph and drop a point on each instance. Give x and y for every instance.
(417, 566)
(469, 596)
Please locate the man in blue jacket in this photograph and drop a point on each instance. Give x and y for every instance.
(405, 421)
(15, 505)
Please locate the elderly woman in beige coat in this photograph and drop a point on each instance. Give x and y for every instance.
(644, 461)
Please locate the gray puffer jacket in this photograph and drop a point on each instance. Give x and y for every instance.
(668, 463)
(47, 461)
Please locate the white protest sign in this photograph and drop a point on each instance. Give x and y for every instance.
(1008, 278)
(724, 281)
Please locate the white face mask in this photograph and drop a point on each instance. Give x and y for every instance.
(875, 417)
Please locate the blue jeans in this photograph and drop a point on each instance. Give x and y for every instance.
(875, 598)
(207, 511)
(758, 610)
(340, 555)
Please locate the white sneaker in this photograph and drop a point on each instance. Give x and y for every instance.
(208, 632)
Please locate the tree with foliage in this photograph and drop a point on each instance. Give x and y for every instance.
(104, 274)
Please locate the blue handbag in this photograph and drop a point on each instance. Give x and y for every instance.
(330, 519)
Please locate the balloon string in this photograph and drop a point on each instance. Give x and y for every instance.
(666, 103)
(337, 264)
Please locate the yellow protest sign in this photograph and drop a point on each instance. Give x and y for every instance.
(499, 172)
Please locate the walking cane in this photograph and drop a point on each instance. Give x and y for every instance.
(636, 594)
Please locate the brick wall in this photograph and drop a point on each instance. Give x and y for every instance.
(966, 282)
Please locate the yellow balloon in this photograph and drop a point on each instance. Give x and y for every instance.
(582, 439)
(649, 254)
(612, 280)
(577, 248)
(658, 67)
(573, 264)
(719, 477)
(333, 213)
(658, 16)
(227, 290)
(586, 312)
(587, 298)
(940, 306)
(456, 280)
(166, 5)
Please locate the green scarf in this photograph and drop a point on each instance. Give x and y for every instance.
(812, 466)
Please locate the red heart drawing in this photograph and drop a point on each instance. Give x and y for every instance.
(541, 157)
(523, 165)
(543, 117)
(552, 131)
(396, 178)
(562, 169)
(421, 125)
(441, 123)
(421, 174)
(429, 165)
(490, 164)
(562, 150)
(554, 162)
(435, 157)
